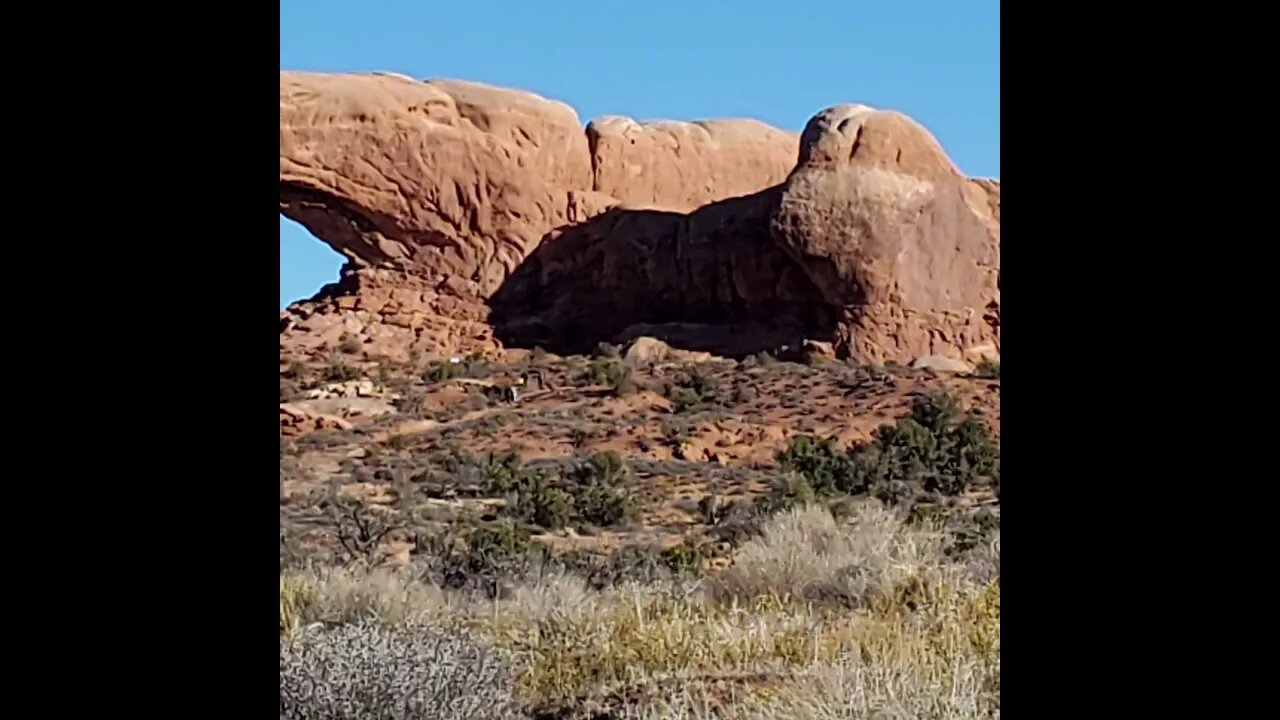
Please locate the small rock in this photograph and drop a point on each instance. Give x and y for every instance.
(941, 363)
(647, 351)
(817, 348)
(340, 407)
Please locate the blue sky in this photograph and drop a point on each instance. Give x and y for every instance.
(781, 61)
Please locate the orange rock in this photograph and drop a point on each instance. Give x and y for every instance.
(477, 216)
(883, 224)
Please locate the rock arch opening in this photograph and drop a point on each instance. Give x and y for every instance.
(307, 263)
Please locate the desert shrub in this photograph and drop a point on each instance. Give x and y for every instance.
(609, 371)
(368, 670)
(935, 446)
(699, 380)
(337, 595)
(504, 472)
(579, 436)
(594, 491)
(805, 554)
(472, 366)
(864, 377)
(410, 403)
(294, 597)
(475, 366)
(995, 479)
(606, 468)
(988, 368)
(934, 449)
(339, 371)
(600, 570)
(603, 506)
(743, 393)
(683, 399)
(358, 527)
(440, 372)
(791, 490)
(625, 384)
(490, 553)
(966, 527)
(826, 468)
(690, 388)
(536, 501)
(600, 495)
(638, 564)
(682, 559)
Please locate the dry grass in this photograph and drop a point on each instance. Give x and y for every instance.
(865, 617)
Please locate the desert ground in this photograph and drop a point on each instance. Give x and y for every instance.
(629, 539)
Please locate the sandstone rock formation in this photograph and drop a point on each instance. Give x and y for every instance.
(682, 166)
(716, 269)
(475, 217)
(439, 190)
(882, 223)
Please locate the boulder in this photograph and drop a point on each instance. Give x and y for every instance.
(884, 226)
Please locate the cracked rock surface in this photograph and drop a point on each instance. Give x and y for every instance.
(476, 218)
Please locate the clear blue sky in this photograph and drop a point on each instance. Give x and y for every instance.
(780, 61)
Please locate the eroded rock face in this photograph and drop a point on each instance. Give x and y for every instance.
(438, 178)
(892, 234)
(475, 217)
(378, 312)
(685, 165)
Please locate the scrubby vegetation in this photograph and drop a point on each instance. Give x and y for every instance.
(691, 388)
(935, 451)
(988, 369)
(815, 618)
(596, 555)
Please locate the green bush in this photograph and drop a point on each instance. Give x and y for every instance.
(935, 449)
(504, 472)
(683, 399)
(538, 502)
(690, 388)
(825, 468)
(440, 372)
(594, 491)
(608, 371)
(599, 493)
(988, 368)
(935, 446)
(501, 550)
